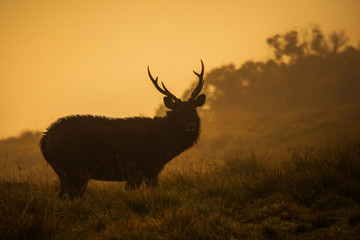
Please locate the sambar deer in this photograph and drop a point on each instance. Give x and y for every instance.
(84, 147)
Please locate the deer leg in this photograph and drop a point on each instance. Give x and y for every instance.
(77, 187)
(62, 188)
(152, 182)
(133, 183)
(74, 185)
(62, 177)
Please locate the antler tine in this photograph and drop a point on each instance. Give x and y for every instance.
(200, 85)
(168, 93)
(164, 91)
(155, 82)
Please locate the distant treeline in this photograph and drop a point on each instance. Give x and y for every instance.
(307, 70)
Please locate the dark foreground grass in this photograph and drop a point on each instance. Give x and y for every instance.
(312, 194)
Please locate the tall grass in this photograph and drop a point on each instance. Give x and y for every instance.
(307, 194)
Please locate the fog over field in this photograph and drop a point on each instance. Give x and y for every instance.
(304, 96)
(278, 158)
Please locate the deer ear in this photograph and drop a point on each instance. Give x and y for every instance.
(169, 103)
(200, 100)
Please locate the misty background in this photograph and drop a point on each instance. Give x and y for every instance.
(90, 57)
(305, 95)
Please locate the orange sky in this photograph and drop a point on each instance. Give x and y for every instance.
(76, 57)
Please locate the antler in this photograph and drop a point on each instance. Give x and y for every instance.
(163, 91)
(200, 85)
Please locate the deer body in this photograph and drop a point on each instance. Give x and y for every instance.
(84, 147)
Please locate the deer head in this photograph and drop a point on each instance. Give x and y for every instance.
(184, 111)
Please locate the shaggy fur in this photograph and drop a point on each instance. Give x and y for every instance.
(84, 147)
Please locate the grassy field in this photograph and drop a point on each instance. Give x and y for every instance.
(286, 176)
(314, 194)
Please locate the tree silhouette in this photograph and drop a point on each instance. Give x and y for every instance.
(307, 71)
(338, 40)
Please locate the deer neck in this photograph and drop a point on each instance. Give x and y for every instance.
(179, 134)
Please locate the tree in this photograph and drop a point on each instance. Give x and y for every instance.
(318, 44)
(287, 46)
(338, 40)
(308, 70)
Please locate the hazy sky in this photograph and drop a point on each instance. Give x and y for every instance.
(90, 57)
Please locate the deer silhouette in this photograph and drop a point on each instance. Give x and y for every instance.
(134, 149)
